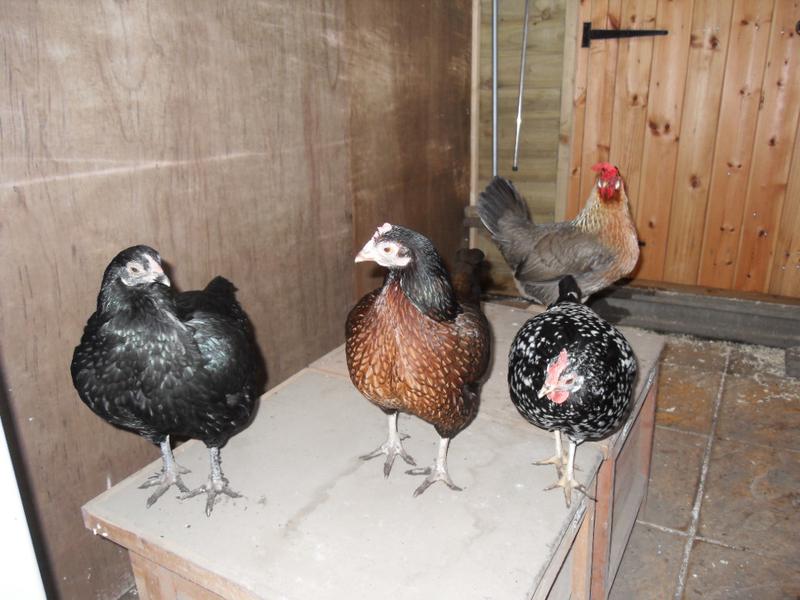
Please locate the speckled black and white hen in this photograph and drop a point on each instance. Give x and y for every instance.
(159, 363)
(571, 372)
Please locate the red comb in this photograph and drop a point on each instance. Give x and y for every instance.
(555, 368)
(606, 170)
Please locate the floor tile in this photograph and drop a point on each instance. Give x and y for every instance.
(752, 360)
(764, 409)
(752, 499)
(689, 351)
(686, 397)
(650, 565)
(718, 573)
(674, 477)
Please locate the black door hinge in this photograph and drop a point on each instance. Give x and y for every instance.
(590, 34)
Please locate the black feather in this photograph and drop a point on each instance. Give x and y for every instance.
(425, 280)
(159, 363)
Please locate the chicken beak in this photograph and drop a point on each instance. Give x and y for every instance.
(367, 252)
(546, 389)
(163, 279)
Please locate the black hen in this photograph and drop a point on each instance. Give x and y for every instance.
(159, 364)
(570, 371)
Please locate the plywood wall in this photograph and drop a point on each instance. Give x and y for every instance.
(238, 138)
(410, 120)
(703, 124)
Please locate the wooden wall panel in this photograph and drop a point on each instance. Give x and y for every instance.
(707, 169)
(573, 200)
(659, 155)
(741, 95)
(777, 125)
(409, 64)
(602, 68)
(707, 53)
(233, 137)
(785, 280)
(631, 94)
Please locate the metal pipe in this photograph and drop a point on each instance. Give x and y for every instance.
(495, 10)
(515, 164)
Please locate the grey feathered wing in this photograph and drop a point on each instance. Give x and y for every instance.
(539, 255)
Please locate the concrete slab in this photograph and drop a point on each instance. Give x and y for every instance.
(317, 522)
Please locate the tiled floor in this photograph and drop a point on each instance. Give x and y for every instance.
(722, 519)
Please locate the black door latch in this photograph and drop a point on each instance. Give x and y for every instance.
(590, 34)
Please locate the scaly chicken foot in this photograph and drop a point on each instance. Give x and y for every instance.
(170, 475)
(567, 480)
(392, 448)
(216, 486)
(436, 472)
(559, 459)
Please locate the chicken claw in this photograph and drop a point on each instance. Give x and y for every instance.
(216, 485)
(392, 447)
(569, 484)
(436, 472)
(169, 475)
(212, 489)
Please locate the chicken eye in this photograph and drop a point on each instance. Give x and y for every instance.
(135, 269)
(388, 249)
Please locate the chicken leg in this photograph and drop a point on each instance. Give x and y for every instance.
(392, 447)
(558, 458)
(567, 479)
(437, 471)
(170, 475)
(217, 483)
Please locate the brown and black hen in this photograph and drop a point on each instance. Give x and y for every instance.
(413, 348)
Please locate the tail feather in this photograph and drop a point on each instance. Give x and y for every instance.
(468, 270)
(568, 290)
(505, 214)
(219, 286)
(501, 200)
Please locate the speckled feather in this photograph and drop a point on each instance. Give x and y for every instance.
(160, 364)
(426, 361)
(598, 352)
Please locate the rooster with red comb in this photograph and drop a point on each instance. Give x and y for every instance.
(597, 247)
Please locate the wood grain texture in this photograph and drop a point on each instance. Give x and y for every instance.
(602, 69)
(231, 136)
(785, 280)
(741, 95)
(706, 67)
(574, 202)
(774, 142)
(567, 116)
(631, 96)
(409, 68)
(664, 112)
(703, 129)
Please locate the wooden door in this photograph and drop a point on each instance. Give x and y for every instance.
(703, 125)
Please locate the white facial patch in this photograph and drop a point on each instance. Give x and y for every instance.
(153, 263)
